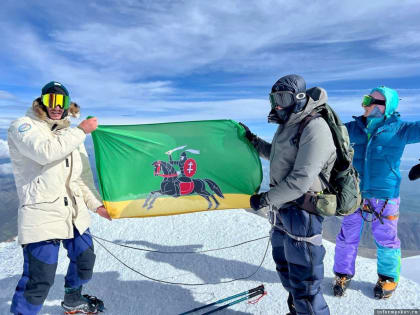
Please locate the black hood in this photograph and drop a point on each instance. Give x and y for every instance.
(292, 83)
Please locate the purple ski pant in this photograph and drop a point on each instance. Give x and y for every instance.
(387, 242)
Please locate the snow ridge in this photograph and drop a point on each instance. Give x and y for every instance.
(126, 292)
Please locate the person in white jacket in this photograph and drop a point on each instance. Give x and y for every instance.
(55, 189)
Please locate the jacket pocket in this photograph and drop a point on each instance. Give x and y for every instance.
(43, 213)
(391, 166)
(36, 192)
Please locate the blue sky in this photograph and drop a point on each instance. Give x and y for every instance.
(128, 61)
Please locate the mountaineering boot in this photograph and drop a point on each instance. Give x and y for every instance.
(384, 287)
(76, 303)
(342, 281)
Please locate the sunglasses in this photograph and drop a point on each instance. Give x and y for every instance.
(369, 100)
(52, 100)
(285, 99)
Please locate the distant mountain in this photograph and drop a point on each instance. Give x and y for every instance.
(8, 208)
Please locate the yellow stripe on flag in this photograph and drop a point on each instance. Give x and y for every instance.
(163, 205)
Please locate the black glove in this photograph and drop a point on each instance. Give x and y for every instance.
(258, 201)
(414, 172)
(248, 134)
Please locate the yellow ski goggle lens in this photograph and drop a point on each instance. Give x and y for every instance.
(52, 100)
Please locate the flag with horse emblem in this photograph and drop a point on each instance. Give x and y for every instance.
(172, 168)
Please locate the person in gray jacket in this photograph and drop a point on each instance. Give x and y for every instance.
(295, 166)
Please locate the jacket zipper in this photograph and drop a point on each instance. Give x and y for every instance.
(366, 168)
(39, 203)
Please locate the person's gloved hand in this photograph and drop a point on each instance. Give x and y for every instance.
(248, 134)
(258, 201)
(101, 210)
(414, 172)
(89, 125)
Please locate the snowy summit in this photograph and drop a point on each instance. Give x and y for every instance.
(126, 292)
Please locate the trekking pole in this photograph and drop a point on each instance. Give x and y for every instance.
(256, 291)
(250, 296)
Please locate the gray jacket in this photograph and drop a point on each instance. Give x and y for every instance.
(294, 171)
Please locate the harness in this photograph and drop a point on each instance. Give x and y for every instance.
(272, 218)
(367, 207)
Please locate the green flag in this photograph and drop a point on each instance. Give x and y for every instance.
(172, 168)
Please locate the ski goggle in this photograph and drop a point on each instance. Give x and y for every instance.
(51, 100)
(370, 100)
(284, 99)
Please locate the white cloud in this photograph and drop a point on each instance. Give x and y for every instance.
(160, 111)
(138, 57)
(4, 149)
(5, 121)
(6, 95)
(406, 44)
(147, 41)
(346, 104)
(228, 36)
(6, 169)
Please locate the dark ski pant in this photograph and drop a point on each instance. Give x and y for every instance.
(39, 267)
(300, 264)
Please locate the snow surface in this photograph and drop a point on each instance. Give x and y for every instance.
(126, 292)
(410, 268)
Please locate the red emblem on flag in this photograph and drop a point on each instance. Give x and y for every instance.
(190, 167)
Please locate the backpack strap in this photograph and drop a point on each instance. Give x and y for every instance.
(305, 121)
(326, 183)
(295, 141)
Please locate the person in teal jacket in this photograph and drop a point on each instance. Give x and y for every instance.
(379, 138)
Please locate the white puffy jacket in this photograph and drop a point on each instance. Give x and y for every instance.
(53, 178)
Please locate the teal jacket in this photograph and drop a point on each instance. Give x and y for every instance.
(378, 147)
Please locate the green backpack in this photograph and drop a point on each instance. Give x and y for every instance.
(342, 195)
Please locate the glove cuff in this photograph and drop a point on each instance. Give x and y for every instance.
(263, 200)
